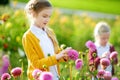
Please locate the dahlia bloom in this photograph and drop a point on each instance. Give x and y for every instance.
(36, 73)
(46, 76)
(5, 59)
(5, 65)
(114, 78)
(105, 62)
(73, 54)
(113, 55)
(101, 73)
(5, 76)
(89, 44)
(78, 64)
(16, 72)
(107, 75)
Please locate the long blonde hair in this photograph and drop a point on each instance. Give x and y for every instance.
(100, 28)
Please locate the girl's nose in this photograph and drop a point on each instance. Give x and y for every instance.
(47, 20)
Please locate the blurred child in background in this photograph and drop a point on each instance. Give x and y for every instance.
(103, 48)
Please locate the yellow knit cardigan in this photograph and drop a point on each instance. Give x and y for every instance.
(35, 55)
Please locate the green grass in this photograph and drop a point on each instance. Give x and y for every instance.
(105, 6)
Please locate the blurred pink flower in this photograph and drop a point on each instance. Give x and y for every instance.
(97, 60)
(5, 76)
(107, 75)
(101, 73)
(46, 76)
(114, 78)
(105, 62)
(78, 64)
(113, 55)
(5, 59)
(36, 73)
(73, 54)
(16, 72)
(5, 65)
(89, 44)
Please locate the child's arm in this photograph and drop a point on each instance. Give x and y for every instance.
(52, 35)
(37, 60)
(35, 54)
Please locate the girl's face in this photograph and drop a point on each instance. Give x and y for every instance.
(41, 19)
(103, 38)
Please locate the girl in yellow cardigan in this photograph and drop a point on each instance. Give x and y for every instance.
(39, 41)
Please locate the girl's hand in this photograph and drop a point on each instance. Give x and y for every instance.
(63, 53)
(105, 55)
(103, 67)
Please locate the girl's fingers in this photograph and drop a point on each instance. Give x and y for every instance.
(68, 48)
(65, 55)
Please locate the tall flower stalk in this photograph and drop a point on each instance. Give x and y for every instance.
(73, 56)
(70, 70)
(21, 77)
(78, 66)
(91, 46)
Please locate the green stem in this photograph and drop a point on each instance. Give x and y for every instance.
(21, 77)
(80, 75)
(14, 78)
(70, 69)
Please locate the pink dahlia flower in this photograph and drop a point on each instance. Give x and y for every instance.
(78, 64)
(90, 45)
(36, 73)
(114, 78)
(16, 72)
(101, 73)
(113, 55)
(46, 76)
(5, 76)
(5, 65)
(73, 54)
(107, 75)
(105, 62)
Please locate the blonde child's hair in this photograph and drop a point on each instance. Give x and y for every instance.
(37, 5)
(100, 28)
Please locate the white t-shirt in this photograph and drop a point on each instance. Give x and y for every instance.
(46, 45)
(100, 51)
